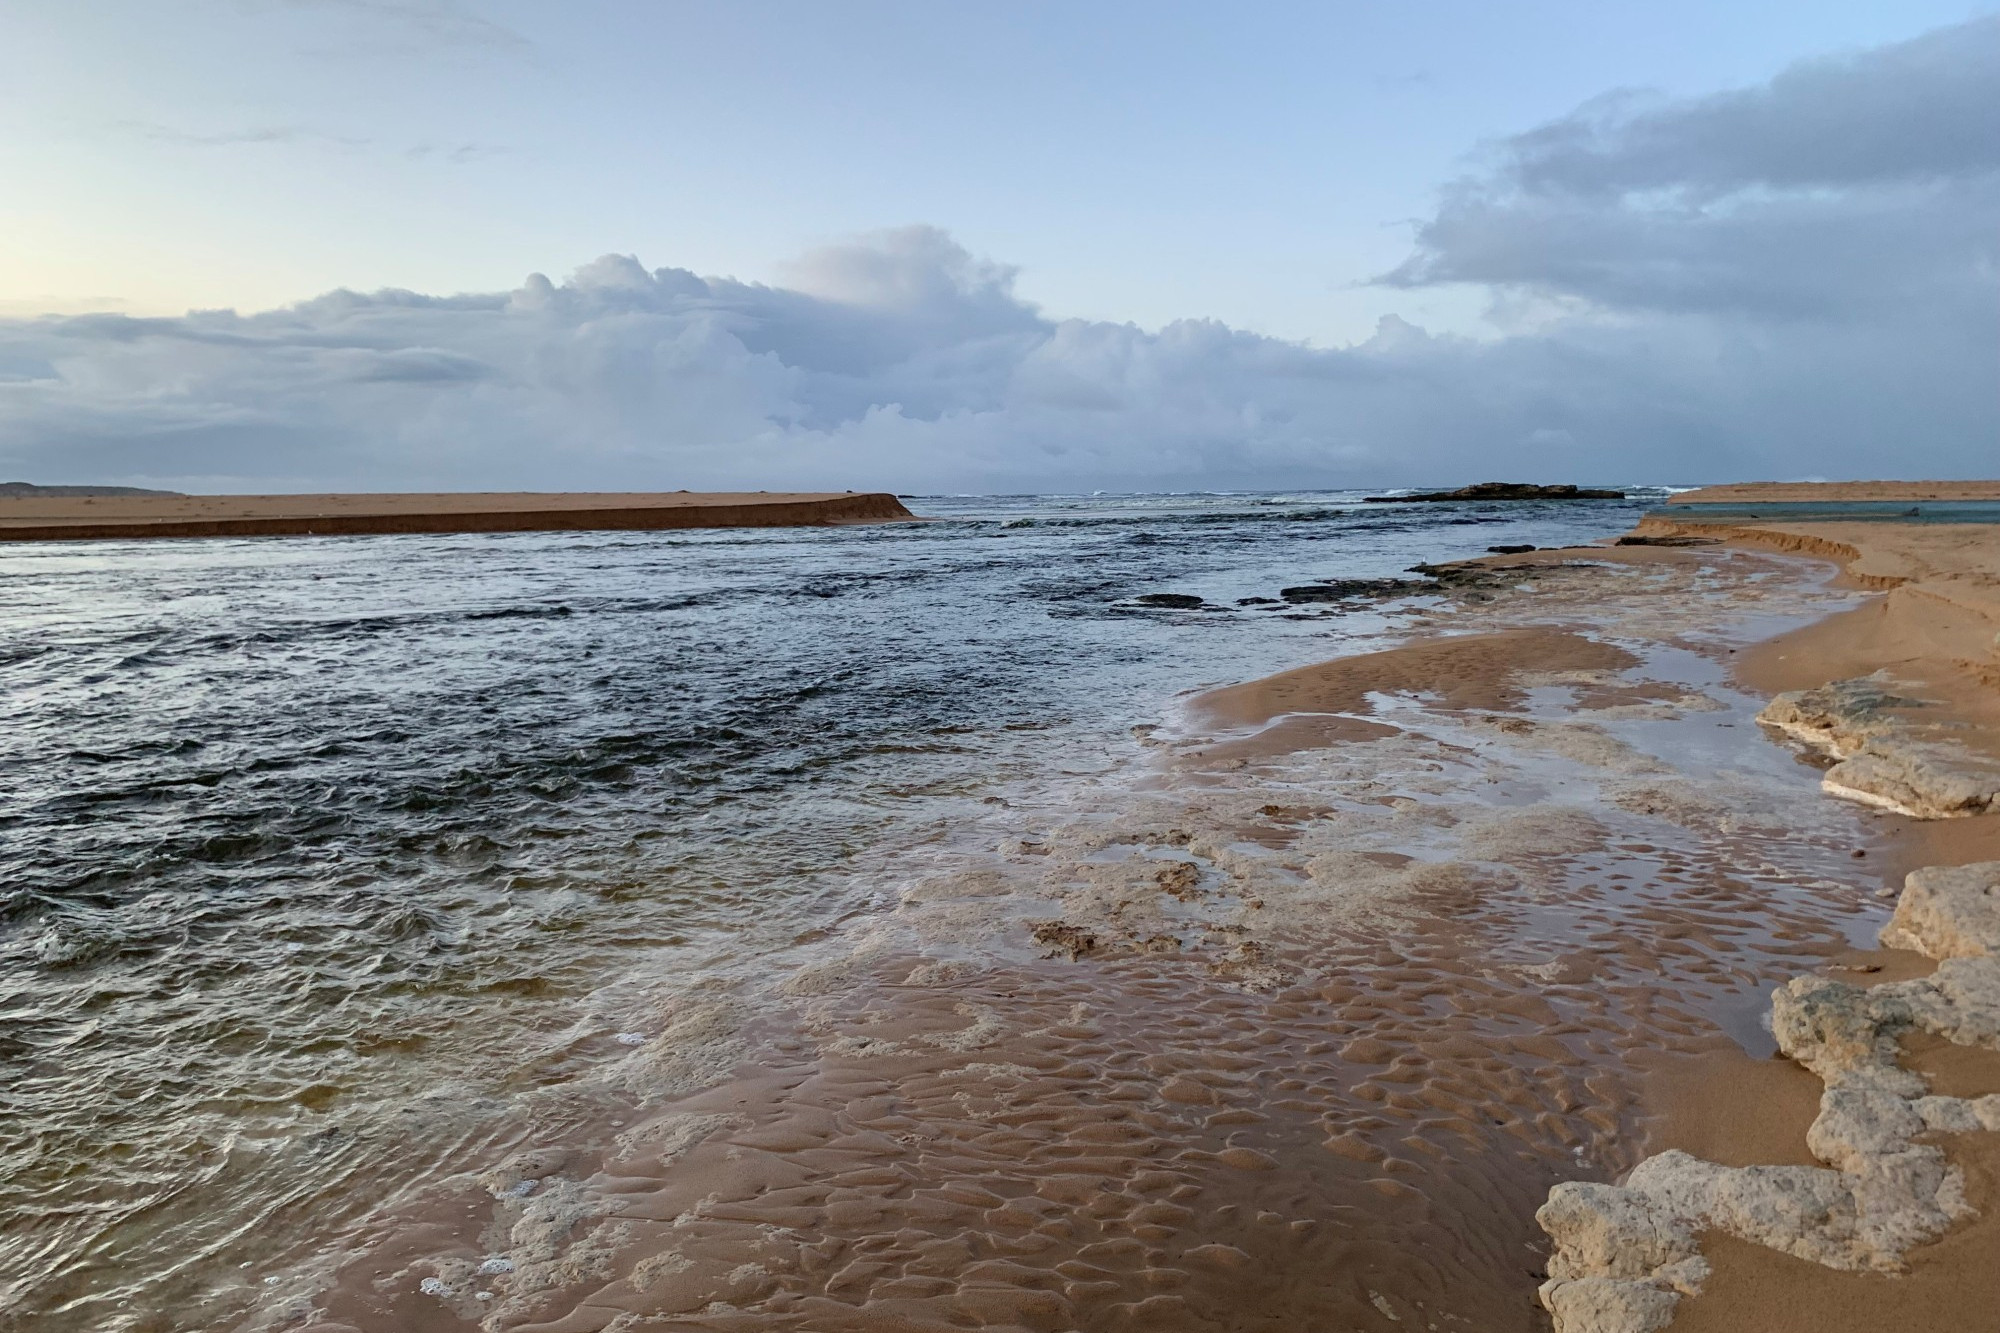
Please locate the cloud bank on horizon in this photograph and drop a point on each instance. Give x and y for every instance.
(1790, 280)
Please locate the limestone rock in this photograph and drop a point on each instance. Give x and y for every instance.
(1835, 1029)
(1624, 1254)
(1959, 1002)
(1885, 758)
(1948, 912)
(1921, 781)
(1609, 1231)
(1606, 1305)
(1839, 718)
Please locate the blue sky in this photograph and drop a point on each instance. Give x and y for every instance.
(993, 246)
(1140, 162)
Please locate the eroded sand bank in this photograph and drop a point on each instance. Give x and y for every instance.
(68, 518)
(1288, 1016)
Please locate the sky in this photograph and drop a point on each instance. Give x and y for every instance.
(292, 244)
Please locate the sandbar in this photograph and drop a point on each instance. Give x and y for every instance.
(1851, 492)
(124, 517)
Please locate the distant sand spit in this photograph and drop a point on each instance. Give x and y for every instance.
(1807, 492)
(69, 518)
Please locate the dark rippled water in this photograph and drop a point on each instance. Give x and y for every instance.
(319, 851)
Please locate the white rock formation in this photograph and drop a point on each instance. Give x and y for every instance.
(1841, 718)
(1625, 1254)
(1948, 912)
(1923, 781)
(1885, 758)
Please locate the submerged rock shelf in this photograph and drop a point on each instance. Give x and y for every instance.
(1503, 490)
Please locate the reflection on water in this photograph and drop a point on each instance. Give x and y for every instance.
(320, 854)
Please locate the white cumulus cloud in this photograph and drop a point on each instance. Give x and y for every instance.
(1793, 279)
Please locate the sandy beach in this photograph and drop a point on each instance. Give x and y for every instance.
(1476, 977)
(1324, 796)
(1930, 636)
(1304, 1016)
(74, 517)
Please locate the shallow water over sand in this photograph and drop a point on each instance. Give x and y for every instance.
(331, 863)
(1226, 1033)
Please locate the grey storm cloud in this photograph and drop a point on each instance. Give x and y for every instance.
(1788, 280)
(1865, 186)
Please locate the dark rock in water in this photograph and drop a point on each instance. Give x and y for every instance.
(1504, 490)
(1670, 541)
(1511, 550)
(1472, 576)
(27, 490)
(1180, 601)
(1256, 601)
(1344, 590)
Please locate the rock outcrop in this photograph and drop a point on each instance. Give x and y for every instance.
(1841, 718)
(1626, 1254)
(1923, 782)
(1883, 757)
(1948, 912)
(1504, 490)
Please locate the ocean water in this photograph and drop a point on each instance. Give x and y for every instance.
(317, 855)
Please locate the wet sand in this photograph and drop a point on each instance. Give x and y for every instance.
(68, 518)
(1291, 1023)
(1468, 671)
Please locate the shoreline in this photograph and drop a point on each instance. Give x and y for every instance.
(70, 518)
(1929, 633)
(1336, 1016)
(1295, 1013)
